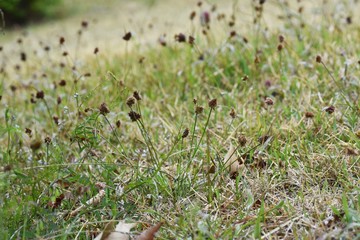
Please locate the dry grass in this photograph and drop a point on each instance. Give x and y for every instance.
(80, 148)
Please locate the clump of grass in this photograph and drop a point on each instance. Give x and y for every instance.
(115, 137)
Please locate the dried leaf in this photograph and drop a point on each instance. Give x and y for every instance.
(231, 161)
(121, 231)
(149, 233)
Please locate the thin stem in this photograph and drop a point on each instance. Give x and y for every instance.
(193, 133)
(116, 135)
(337, 84)
(49, 112)
(203, 133)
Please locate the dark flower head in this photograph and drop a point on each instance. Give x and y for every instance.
(191, 40)
(136, 95)
(134, 116)
(118, 123)
(162, 40)
(180, 37)
(205, 18)
(199, 110)
(269, 101)
(281, 38)
(40, 95)
(242, 140)
(130, 101)
(84, 24)
(330, 109)
(213, 103)
(192, 15)
(23, 56)
(185, 133)
(309, 115)
(104, 109)
(61, 40)
(318, 59)
(47, 140)
(232, 113)
(127, 36)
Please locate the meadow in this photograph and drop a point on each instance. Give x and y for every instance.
(192, 119)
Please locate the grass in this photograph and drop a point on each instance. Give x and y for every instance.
(294, 128)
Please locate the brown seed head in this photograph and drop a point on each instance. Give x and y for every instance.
(191, 40)
(309, 115)
(134, 116)
(127, 36)
(47, 140)
(242, 140)
(199, 110)
(269, 101)
(96, 50)
(162, 40)
(118, 123)
(56, 120)
(104, 109)
(84, 24)
(136, 95)
(318, 59)
(28, 132)
(40, 95)
(59, 100)
(192, 15)
(281, 38)
(330, 109)
(213, 103)
(23, 56)
(195, 101)
(185, 133)
(130, 101)
(205, 18)
(62, 40)
(348, 20)
(232, 34)
(232, 113)
(62, 82)
(180, 37)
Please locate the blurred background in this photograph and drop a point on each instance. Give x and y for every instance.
(150, 21)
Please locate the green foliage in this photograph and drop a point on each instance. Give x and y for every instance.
(25, 11)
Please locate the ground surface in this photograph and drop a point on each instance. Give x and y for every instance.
(251, 130)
